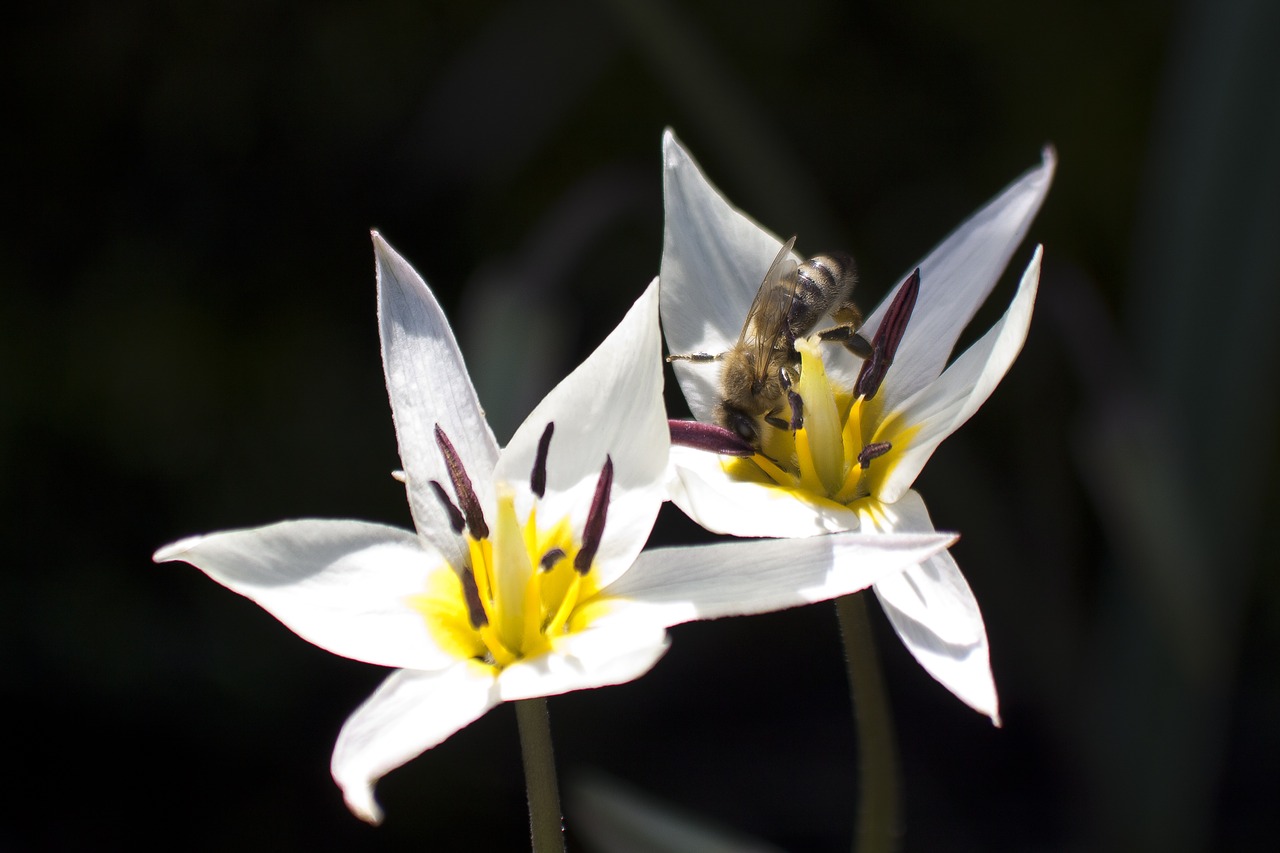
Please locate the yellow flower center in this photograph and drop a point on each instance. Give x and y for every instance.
(843, 452)
(527, 589)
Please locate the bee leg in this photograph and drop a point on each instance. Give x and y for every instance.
(797, 407)
(797, 410)
(696, 356)
(848, 335)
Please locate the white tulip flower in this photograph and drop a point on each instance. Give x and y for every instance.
(525, 576)
(864, 430)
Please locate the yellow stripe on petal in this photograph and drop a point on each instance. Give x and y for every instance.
(899, 437)
(444, 611)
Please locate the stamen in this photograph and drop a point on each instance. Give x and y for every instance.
(455, 515)
(594, 528)
(874, 450)
(462, 487)
(538, 480)
(888, 337)
(475, 607)
(709, 437)
(549, 559)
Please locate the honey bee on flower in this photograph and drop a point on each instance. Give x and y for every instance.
(857, 424)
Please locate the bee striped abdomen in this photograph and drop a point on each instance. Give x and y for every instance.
(823, 283)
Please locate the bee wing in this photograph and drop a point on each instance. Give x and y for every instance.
(767, 317)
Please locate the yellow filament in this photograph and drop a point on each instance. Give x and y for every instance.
(560, 617)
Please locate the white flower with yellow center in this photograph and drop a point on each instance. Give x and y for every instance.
(863, 432)
(525, 576)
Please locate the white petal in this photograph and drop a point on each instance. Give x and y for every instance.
(942, 406)
(610, 406)
(723, 504)
(955, 279)
(342, 585)
(934, 612)
(428, 384)
(668, 586)
(713, 260)
(409, 713)
(596, 657)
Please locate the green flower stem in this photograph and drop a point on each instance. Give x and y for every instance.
(546, 827)
(878, 785)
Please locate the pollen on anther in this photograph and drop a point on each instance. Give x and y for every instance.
(874, 450)
(462, 487)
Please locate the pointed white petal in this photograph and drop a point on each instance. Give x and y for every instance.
(942, 406)
(934, 611)
(429, 385)
(610, 406)
(668, 586)
(955, 279)
(596, 657)
(714, 258)
(342, 585)
(408, 714)
(724, 504)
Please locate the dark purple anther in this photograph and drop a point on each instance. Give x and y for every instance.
(874, 450)
(538, 480)
(462, 487)
(709, 437)
(475, 608)
(594, 528)
(888, 337)
(455, 515)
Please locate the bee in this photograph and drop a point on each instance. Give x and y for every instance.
(761, 368)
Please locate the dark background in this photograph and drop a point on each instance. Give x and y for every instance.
(189, 344)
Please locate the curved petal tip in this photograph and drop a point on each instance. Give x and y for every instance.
(174, 550)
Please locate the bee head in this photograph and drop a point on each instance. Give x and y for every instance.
(740, 423)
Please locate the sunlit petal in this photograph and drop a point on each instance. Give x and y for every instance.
(673, 585)
(610, 406)
(934, 612)
(942, 406)
(596, 657)
(724, 503)
(342, 585)
(411, 712)
(429, 385)
(956, 278)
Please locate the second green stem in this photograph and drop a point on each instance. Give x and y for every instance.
(878, 784)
